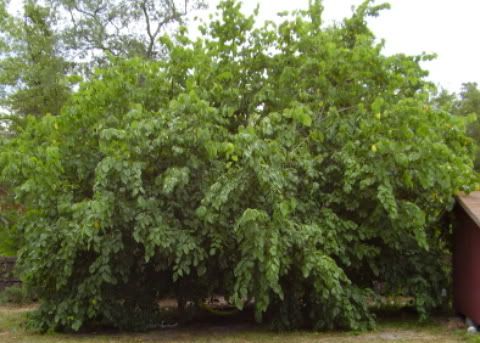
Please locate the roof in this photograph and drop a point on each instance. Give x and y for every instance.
(471, 205)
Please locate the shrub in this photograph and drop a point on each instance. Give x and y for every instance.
(291, 166)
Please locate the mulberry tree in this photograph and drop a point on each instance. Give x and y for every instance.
(288, 167)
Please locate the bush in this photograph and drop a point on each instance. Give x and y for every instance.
(291, 166)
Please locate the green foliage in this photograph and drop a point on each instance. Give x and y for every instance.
(467, 103)
(290, 166)
(31, 71)
(9, 237)
(43, 48)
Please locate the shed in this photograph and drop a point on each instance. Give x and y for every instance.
(466, 256)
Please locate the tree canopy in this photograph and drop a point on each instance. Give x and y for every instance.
(32, 72)
(97, 28)
(47, 48)
(466, 103)
(288, 167)
(52, 44)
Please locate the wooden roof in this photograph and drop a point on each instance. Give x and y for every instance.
(471, 205)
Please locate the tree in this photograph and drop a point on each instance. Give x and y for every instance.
(94, 29)
(32, 81)
(289, 167)
(31, 69)
(469, 99)
(469, 103)
(38, 51)
(464, 104)
(42, 51)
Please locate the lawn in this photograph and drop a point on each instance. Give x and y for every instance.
(399, 328)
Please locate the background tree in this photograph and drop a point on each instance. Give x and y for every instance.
(469, 99)
(94, 29)
(469, 103)
(466, 103)
(39, 49)
(32, 72)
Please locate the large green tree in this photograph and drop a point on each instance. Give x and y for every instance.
(289, 167)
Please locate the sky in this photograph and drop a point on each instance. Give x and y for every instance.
(448, 28)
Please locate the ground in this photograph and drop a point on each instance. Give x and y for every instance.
(399, 328)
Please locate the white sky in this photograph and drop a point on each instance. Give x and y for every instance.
(449, 28)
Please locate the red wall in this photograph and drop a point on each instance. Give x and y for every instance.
(466, 266)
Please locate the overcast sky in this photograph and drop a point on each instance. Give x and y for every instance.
(449, 28)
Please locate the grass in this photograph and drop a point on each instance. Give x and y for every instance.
(399, 328)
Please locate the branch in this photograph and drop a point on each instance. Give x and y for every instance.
(149, 31)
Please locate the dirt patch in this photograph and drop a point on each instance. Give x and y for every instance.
(454, 323)
(18, 309)
(401, 335)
